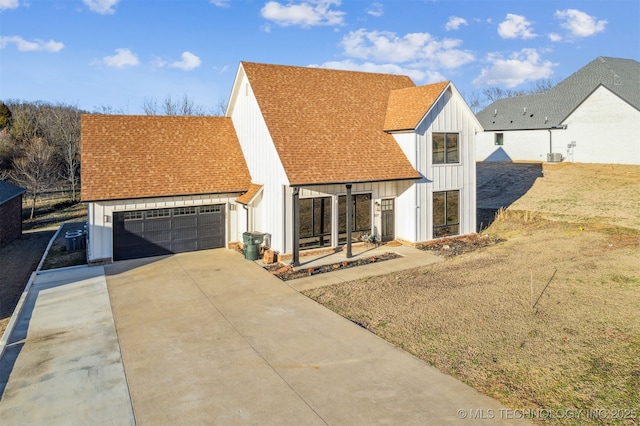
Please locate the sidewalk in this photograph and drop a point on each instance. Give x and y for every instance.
(410, 257)
(62, 362)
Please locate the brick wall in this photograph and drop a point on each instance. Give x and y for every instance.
(10, 220)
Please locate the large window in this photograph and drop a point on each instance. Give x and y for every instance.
(315, 222)
(360, 216)
(446, 213)
(445, 148)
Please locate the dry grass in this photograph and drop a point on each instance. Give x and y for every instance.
(473, 316)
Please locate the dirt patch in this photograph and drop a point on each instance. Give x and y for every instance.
(18, 260)
(473, 316)
(455, 246)
(287, 272)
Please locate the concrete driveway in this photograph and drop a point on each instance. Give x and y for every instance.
(210, 338)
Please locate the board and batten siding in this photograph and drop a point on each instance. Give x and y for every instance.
(262, 159)
(100, 213)
(449, 114)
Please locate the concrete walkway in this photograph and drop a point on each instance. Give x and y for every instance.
(210, 338)
(62, 363)
(410, 257)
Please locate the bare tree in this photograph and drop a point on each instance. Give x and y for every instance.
(35, 168)
(67, 140)
(171, 106)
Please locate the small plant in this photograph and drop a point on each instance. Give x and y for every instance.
(369, 238)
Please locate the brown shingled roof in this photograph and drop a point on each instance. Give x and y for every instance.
(248, 196)
(407, 106)
(125, 156)
(327, 125)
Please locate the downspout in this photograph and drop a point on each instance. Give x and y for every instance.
(417, 206)
(246, 208)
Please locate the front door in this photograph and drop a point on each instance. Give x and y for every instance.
(388, 220)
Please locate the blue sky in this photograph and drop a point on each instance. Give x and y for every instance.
(119, 53)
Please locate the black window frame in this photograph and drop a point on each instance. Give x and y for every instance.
(361, 222)
(314, 234)
(447, 227)
(446, 156)
(498, 139)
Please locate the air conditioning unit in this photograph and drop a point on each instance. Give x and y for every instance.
(554, 157)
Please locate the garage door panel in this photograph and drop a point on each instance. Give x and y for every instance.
(157, 224)
(163, 231)
(185, 222)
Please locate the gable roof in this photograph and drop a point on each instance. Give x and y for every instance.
(551, 108)
(251, 193)
(9, 191)
(407, 106)
(124, 156)
(328, 125)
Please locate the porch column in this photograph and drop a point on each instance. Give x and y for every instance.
(349, 213)
(295, 261)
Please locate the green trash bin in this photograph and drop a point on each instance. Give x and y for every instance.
(251, 246)
(251, 251)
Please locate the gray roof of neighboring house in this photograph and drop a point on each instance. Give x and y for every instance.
(551, 108)
(9, 191)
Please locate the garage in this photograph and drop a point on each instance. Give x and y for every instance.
(144, 233)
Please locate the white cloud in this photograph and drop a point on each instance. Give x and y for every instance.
(384, 46)
(122, 58)
(103, 7)
(189, 61)
(454, 23)
(220, 3)
(423, 76)
(555, 37)
(306, 14)
(9, 4)
(515, 26)
(522, 66)
(31, 46)
(376, 9)
(578, 23)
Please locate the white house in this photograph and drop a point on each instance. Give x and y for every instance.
(315, 158)
(593, 116)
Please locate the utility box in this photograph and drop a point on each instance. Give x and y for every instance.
(554, 157)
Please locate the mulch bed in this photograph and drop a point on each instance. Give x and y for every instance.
(455, 246)
(286, 272)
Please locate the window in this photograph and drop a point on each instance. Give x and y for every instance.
(154, 214)
(446, 215)
(184, 211)
(360, 216)
(210, 209)
(133, 215)
(315, 222)
(499, 139)
(445, 148)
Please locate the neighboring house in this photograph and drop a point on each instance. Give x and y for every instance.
(10, 212)
(593, 116)
(302, 150)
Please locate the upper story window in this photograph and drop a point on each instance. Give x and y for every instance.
(446, 149)
(499, 139)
